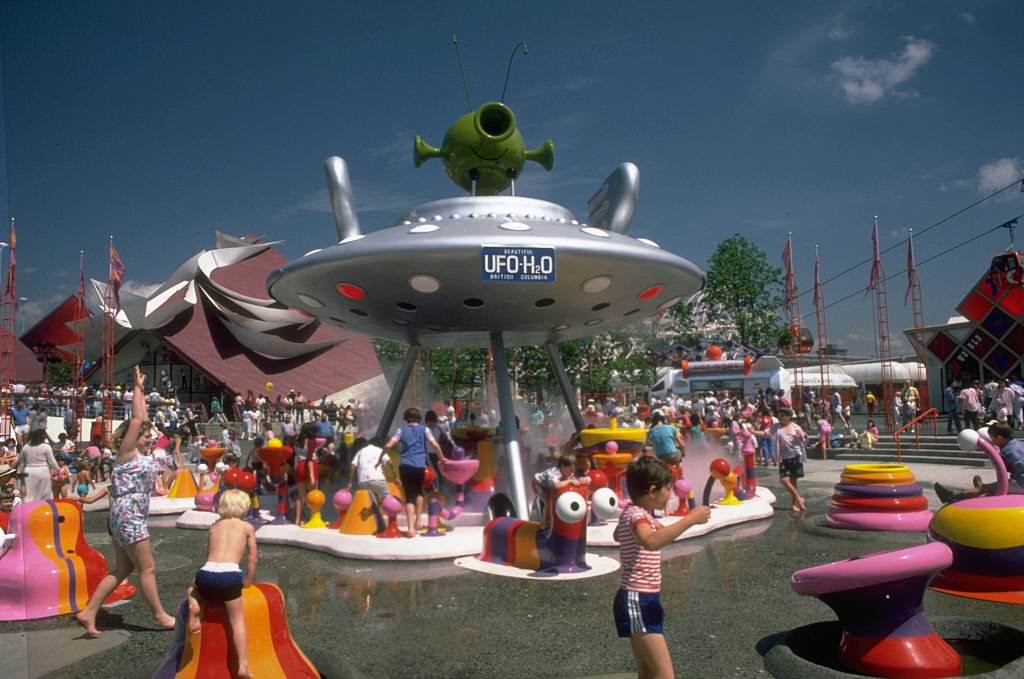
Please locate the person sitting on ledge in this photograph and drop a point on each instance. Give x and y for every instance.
(1012, 452)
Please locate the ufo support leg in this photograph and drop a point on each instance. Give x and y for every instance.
(508, 425)
(568, 393)
(402, 379)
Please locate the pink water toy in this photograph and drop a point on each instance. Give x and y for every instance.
(986, 536)
(878, 599)
(48, 568)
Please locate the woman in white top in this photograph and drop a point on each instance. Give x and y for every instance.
(34, 465)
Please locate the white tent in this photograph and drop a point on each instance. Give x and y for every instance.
(837, 377)
(871, 373)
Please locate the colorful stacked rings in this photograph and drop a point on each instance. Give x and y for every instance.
(878, 497)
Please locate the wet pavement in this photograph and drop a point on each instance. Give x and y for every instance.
(722, 593)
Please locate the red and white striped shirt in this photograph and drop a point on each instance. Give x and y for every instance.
(641, 568)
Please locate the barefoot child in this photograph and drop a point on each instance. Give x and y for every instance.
(791, 442)
(220, 578)
(638, 612)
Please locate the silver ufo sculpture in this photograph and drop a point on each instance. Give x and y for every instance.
(453, 271)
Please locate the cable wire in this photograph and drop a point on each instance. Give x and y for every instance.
(854, 267)
(921, 263)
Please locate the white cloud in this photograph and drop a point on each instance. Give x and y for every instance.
(367, 199)
(865, 81)
(967, 17)
(139, 288)
(997, 174)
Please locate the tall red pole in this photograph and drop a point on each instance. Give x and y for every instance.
(917, 309)
(819, 316)
(111, 308)
(8, 314)
(793, 310)
(877, 283)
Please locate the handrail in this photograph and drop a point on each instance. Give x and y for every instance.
(931, 412)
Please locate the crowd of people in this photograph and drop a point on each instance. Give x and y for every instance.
(972, 404)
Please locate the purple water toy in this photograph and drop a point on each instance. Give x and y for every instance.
(433, 517)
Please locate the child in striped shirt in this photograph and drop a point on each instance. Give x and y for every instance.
(638, 612)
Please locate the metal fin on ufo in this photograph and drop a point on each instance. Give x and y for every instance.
(339, 187)
(614, 204)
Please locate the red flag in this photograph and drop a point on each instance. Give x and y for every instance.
(876, 262)
(817, 278)
(911, 267)
(116, 274)
(787, 262)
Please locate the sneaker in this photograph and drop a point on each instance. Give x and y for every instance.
(945, 494)
(976, 481)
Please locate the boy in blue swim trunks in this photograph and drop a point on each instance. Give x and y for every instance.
(638, 612)
(220, 578)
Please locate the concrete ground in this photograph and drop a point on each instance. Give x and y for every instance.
(723, 593)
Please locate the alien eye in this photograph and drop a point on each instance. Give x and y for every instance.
(570, 507)
(604, 503)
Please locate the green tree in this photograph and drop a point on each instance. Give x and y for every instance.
(59, 372)
(745, 291)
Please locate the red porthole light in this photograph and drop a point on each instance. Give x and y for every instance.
(353, 292)
(651, 292)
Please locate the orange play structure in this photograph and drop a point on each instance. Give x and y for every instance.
(273, 653)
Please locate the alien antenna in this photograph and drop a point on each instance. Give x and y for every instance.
(462, 71)
(508, 70)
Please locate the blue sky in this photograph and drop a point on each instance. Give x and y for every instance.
(159, 123)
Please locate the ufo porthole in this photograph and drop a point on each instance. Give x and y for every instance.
(514, 226)
(438, 218)
(648, 241)
(631, 312)
(560, 327)
(547, 301)
(352, 239)
(406, 306)
(424, 228)
(312, 252)
(335, 319)
(596, 284)
(422, 220)
(359, 312)
(351, 291)
(399, 321)
(309, 300)
(575, 222)
(424, 283)
(473, 302)
(473, 215)
(593, 321)
(599, 307)
(561, 220)
(671, 302)
(435, 328)
(456, 215)
(651, 292)
(594, 231)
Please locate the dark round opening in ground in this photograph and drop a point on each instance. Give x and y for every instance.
(989, 650)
